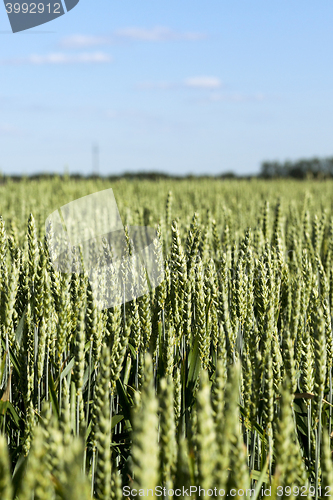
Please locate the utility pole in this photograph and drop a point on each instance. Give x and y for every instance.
(95, 159)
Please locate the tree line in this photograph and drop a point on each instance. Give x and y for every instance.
(299, 169)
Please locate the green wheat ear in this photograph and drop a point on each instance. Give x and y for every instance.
(291, 471)
(167, 443)
(145, 452)
(37, 479)
(6, 489)
(206, 437)
(102, 427)
(326, 463)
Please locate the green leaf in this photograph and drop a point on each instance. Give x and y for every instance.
(53, 395)
(70, 364)
(3, 365)
(18, 474)
(115, 420)
(147, 275)
(261, 477)
(89, 370)
(88, 429)
(124, 400)
(13, 358)
(132, 349)
(68, 368)
(193, 365)
(5, 407)
(19, 328)
(127, 369)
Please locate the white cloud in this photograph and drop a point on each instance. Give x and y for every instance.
(209, 87)
(83, 41)
(236, 97)
(61, 58)
(203, 82)
(156, 34)
(197, 82)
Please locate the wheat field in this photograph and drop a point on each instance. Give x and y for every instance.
(220, 379)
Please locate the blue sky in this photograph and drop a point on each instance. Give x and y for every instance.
(177, 87)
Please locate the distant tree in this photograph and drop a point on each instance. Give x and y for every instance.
(301, 169)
